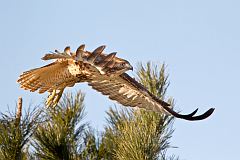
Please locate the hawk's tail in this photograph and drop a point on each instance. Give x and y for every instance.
(41, 79)
(32, 80)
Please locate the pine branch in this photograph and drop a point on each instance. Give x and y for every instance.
(19, 111)
(139, 134)
(61, 135)
(15, 132)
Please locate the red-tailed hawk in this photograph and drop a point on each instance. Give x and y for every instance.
(104, 72)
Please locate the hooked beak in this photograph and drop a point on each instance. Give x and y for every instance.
(129, 67)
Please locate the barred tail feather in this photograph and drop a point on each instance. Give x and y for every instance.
(30, 80)
(38, 79)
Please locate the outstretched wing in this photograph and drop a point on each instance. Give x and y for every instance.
(128, 92)
(56, 75)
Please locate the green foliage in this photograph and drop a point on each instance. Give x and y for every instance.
(60, 136)
(154, 78)
(15, 133)
(91, 146)
(139, 134)
(134, 134)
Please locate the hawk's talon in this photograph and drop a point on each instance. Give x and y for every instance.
(50, 98)
(57, 97)
(54, 97)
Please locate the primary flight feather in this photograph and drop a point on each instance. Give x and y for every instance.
(104, 72)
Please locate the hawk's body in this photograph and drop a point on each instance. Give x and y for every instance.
(105, 73)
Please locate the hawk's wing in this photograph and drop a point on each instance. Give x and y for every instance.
(128, 92)
(56, 75)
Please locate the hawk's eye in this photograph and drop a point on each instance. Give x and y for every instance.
(121, 65)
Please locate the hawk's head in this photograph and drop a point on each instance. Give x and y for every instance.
(117, 66)
(120, 66)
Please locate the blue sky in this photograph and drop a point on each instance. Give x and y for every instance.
(198, 40)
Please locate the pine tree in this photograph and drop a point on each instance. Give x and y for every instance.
(60, 136)
(15, 132)
(138, 134)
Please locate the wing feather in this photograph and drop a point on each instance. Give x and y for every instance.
(128, 92)
(124, 92)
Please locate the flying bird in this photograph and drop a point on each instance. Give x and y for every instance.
(103, 72)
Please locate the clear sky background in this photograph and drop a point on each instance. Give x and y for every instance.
(199, 40)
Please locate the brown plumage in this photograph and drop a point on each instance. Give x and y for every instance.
(105, 73)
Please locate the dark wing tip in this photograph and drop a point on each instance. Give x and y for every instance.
(207, 113)
(191, 116)
(81, 47)
(110, 56)
(193, 113)
(99, 49)
(113, 54)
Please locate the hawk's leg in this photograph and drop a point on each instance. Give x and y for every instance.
(54, 97)
(50, 98)
(58, 96)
